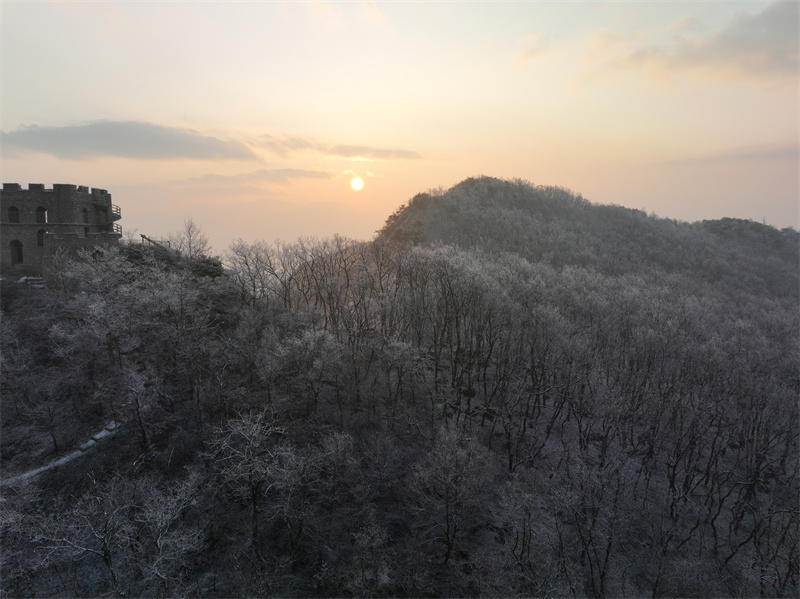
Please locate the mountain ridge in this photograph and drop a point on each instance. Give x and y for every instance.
(555, 225)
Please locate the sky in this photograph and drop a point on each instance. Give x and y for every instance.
(252, 118)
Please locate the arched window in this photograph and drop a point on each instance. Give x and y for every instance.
(16, 252)
(85, 216)
(13, 214)
(40, 237)
(41, 216)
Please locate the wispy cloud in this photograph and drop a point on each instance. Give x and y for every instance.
(284, 146)
(605, 39)
(754, 153)
(370, 153)
(531, 46)
(762, 46)
(325, 10)
(124, 139)
(371, 13)
(149, 141)
(337, 15)
(688, 23)
(282, 176)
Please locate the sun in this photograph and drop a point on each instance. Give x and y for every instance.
(356, 183)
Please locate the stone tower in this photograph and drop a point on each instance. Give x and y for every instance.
(35, 222)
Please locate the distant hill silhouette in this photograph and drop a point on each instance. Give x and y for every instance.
(556, 226)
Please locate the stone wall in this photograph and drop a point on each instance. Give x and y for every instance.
(35, 222)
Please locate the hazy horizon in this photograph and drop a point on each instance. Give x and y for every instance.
(252, 118)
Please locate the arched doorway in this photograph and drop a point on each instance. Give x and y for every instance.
(16, 252)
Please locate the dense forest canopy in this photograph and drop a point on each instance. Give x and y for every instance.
(509, 391)
(555, 226)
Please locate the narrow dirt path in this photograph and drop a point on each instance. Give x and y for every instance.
(109, 430)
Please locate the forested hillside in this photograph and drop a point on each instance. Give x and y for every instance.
(510, 391)
(555, 226)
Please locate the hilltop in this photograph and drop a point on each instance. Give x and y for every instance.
(556, 226)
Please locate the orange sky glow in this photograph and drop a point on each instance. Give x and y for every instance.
(253, 118)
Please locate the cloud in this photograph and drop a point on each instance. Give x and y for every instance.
(685, 24)
(369, 153)
(371, 13)
(334, 14)
(148, 141)
(606, 39)
(325, 11)
(533, 45)
(283, 146)
(760, 46)
(124, 139)
(260, 176)
(754, 153)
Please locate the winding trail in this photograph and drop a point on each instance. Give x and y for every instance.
(109, 430)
